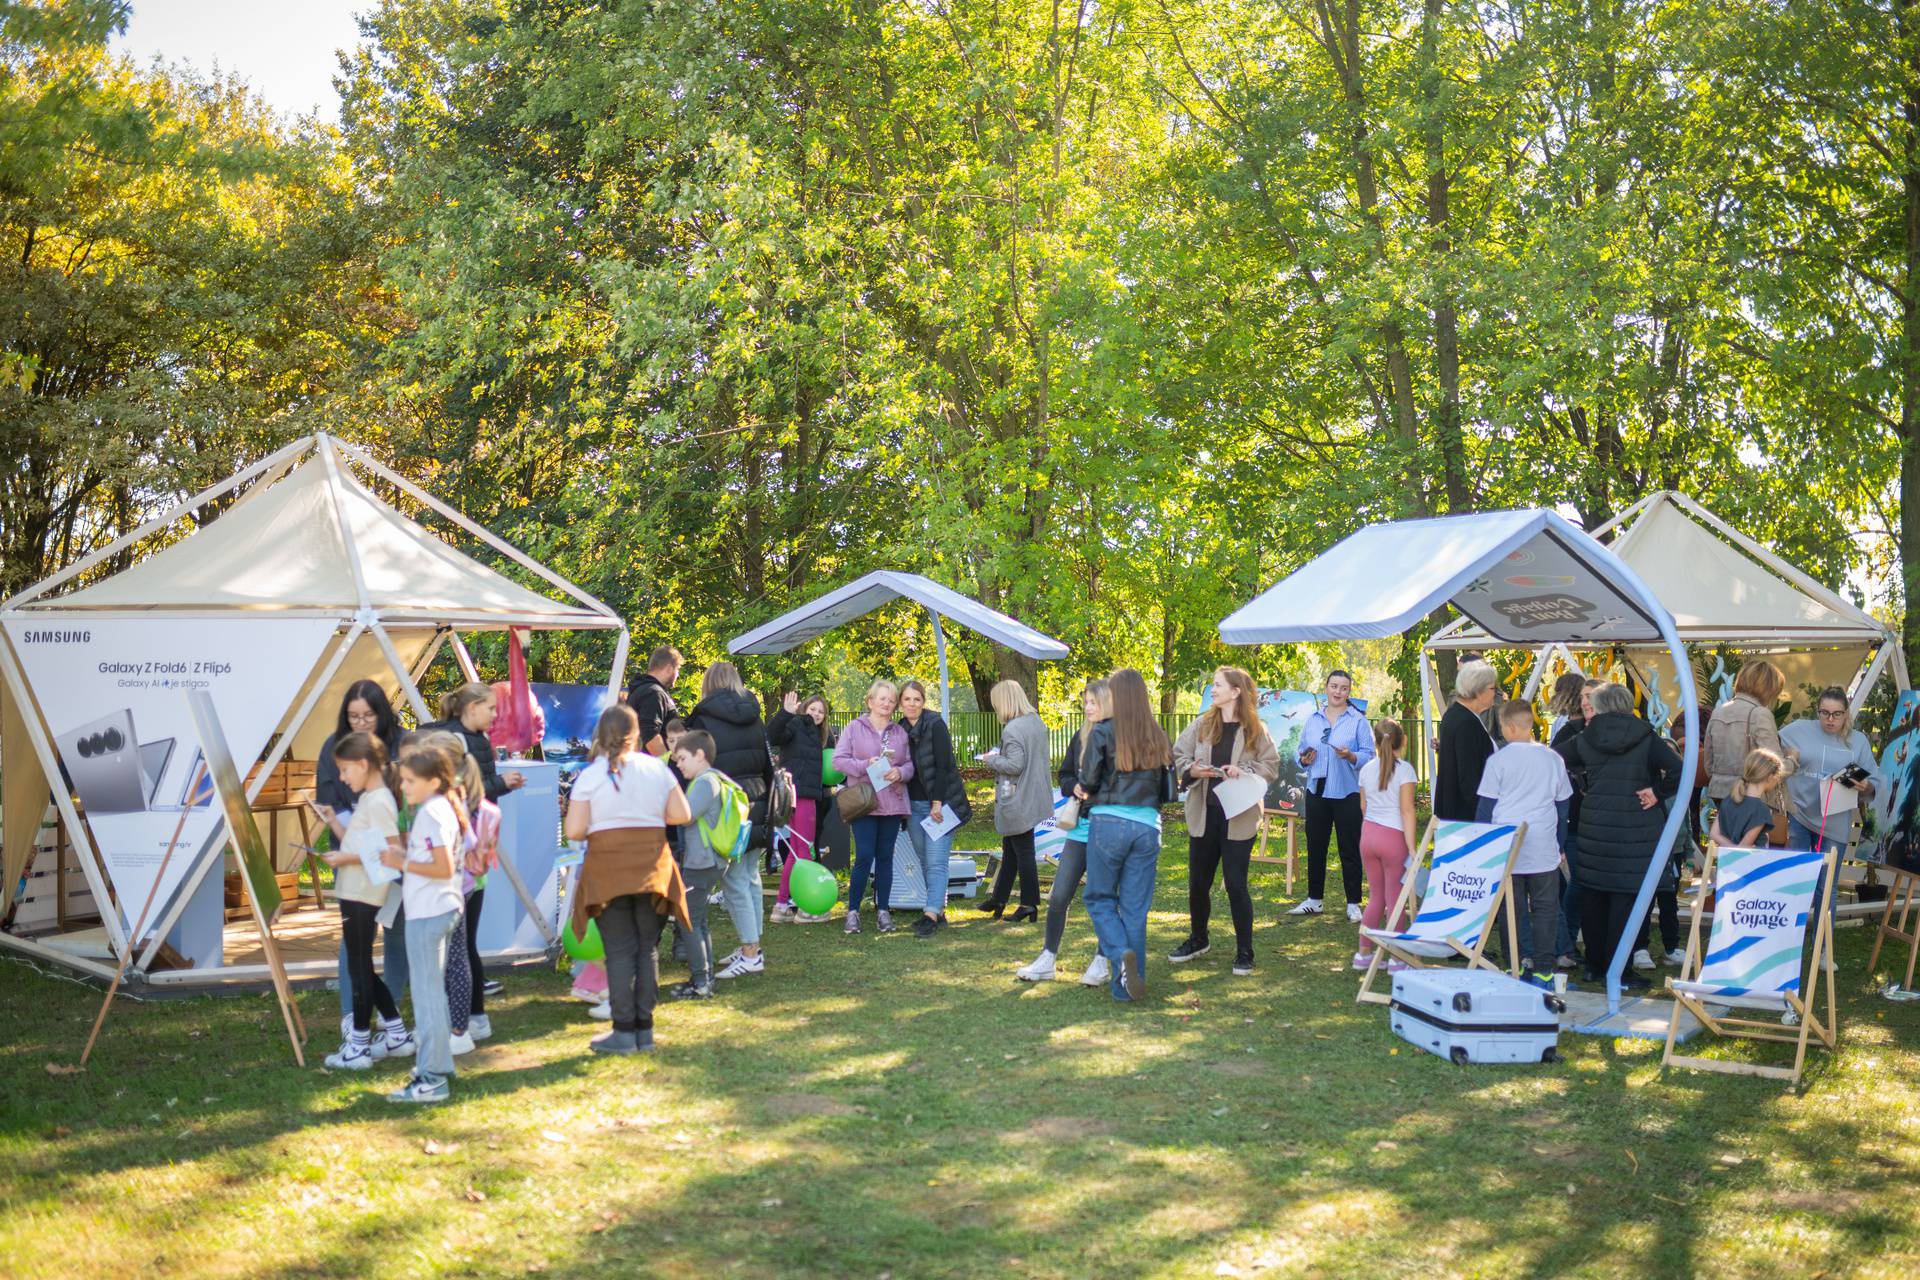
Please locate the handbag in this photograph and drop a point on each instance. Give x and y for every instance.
(856, 800)
(1069, 817)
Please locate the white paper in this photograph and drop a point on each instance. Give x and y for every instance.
(1836, 799)
(877, 774)
(371, 845)
(1237, 795)
(988, 754)
(949, 820)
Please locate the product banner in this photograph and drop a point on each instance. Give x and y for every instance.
(114, 692)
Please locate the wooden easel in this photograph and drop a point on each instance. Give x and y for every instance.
(1904, 891)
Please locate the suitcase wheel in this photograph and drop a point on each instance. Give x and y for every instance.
(1462, 1002)
(1550, 1054)
(1459, 1055)
(1556, 1005)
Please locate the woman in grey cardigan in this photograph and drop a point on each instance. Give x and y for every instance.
(1022, 798)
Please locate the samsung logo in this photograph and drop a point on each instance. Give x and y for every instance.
(55, 637)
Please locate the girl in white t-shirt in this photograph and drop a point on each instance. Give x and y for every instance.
(430, 892)
(1388, 837)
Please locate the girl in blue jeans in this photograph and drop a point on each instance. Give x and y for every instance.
(1126, 775)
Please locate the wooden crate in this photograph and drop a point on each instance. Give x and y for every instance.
(289, 779)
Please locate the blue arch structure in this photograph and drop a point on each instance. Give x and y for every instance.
(1527, 578)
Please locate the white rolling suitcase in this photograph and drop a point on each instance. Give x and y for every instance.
(1471, 1015)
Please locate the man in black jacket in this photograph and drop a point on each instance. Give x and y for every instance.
(651, 698)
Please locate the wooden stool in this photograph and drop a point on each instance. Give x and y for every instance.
(1292, 821)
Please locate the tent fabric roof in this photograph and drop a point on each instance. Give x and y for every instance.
(1527, 577)
(1717, 591)
(882, 587)
(283, 547)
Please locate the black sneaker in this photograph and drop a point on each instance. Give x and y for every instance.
(1242, 963)
(1191, 949)
(687, 991)
(925, 927)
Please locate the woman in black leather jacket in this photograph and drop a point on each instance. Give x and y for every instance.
(1126, 775)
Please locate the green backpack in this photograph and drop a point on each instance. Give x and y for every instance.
(727, 833)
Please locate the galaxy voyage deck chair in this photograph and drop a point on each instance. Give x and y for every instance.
(1468, 882)
(1755, 955)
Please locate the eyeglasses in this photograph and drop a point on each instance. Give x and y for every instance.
(366, 718)
(1825, 714)
(1326, 734)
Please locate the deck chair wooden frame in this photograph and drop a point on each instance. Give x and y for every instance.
(1751, 1028)
(1407, 907)
(1905, 893)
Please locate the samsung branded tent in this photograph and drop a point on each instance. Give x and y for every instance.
(303, 538)
(1525, 578)
(1725, 591)
(862, 596)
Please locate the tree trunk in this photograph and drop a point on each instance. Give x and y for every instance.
(1909, 371)
(1446, 326)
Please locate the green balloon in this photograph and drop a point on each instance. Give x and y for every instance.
(813, 887)
(588, 948)
(828, 774)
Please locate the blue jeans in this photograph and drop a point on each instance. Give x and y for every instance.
(935, 857)
(427, 943)
(1123, 859)
(1801, 836)
(393, 963)
(740, 889)
(873, 841)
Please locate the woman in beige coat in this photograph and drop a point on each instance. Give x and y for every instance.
(1227, 742)
(1741, 724)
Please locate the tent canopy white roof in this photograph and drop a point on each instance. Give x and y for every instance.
(1526, 577)
(1719, 585)
(316, 539)
(863, 595)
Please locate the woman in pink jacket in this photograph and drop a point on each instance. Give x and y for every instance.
(872, 737)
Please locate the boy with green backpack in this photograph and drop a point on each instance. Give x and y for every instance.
(714, 841)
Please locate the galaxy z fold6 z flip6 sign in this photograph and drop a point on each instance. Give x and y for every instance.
(114, 692)
(1541, 591)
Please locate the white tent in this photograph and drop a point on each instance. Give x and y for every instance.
(1725, 591)
(1524, 577)
(880, 588)
(305, 538)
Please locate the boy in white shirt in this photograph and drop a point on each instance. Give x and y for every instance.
(1526, 781)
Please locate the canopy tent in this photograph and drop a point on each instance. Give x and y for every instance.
(302, 537)
(1724, 590)
(1523, 577)
(880, 588)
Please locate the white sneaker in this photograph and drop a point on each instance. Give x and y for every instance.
(346, 1027)
(588, 997)
(354, 1055)
(479, 1026)
(782, 913)
(1307, 907)
(717, 898)
(1098, 974)
(1362, 961)
(1041, 970)
(602, 1012)
(1642, 962)
(462, 1043)
(1353, 914)
(740, 964)
(810, 917)
(728, 959)
(393, 1041)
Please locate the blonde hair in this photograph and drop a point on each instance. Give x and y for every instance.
(876, 687)
(1102, 694)
(1760, 767)
(1473, 679)
(1246, 709)
(1010, 701)
(454, 705)
(722, 675)
(1761, 681)
(1388, 741)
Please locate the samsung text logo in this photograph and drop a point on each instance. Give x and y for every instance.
(55, 637)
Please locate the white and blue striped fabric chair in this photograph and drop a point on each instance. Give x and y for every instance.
(1468, 880)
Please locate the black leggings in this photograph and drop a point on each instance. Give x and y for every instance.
(359, 922)
(1016, 852)
(1603, 918)
(478, 1004)
(1326, 817)
(1205, 853)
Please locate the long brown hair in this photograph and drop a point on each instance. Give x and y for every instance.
(367, 749)
(433, 763)
(1388, 741)
(1246, 710)
(617, 726)
(1138, 740)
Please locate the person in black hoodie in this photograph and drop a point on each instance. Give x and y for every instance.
(1628, 770)
(1571, 711)
(934, 788)
(731, 716)
(798, 733)
(1465, 743)
(651, 697)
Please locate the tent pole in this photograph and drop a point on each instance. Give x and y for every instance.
(1429, 692)
(1537, 674)
(1899, 664)
(940, 653)
(465, 659)
(1627, 515)
(431, 652)
(195, 875)
(619, 673)
(160, 521)
(407, 686)
(1868, 677)
(90, 865)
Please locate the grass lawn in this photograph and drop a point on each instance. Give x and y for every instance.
(882, 1106)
